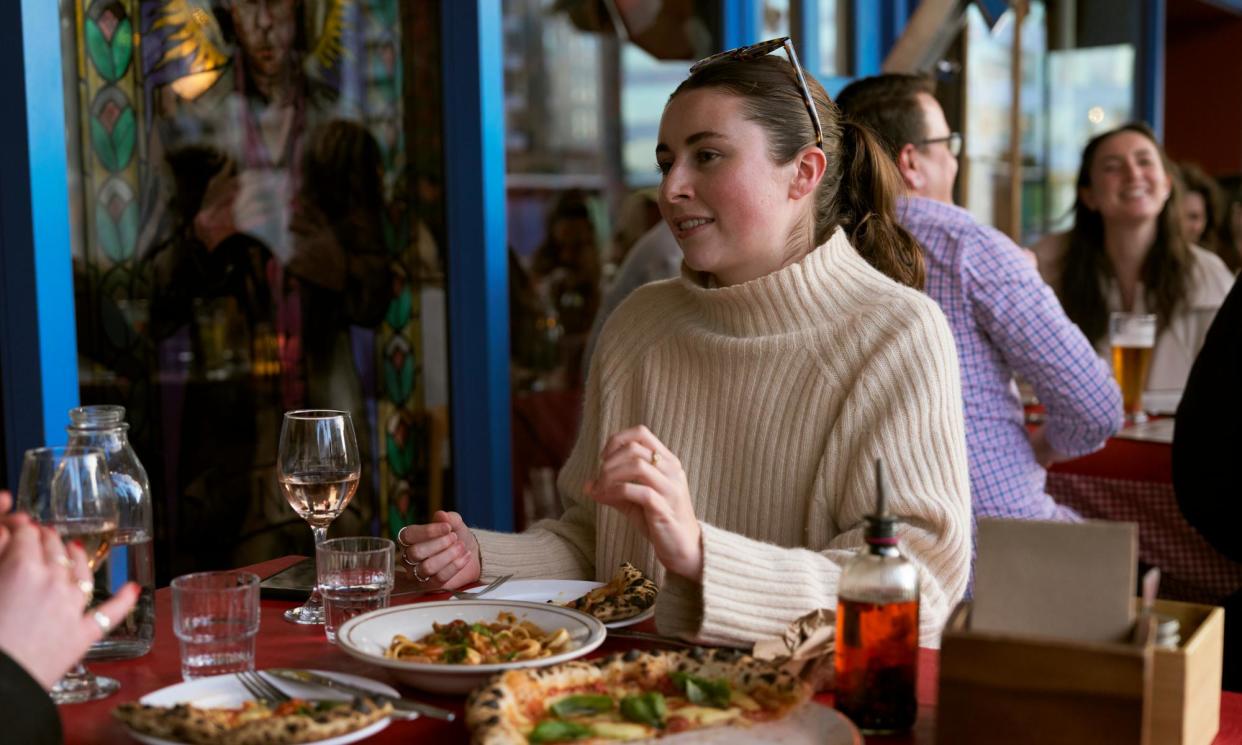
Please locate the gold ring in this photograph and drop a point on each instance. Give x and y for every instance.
(87, 587)
(64, 561)
(655, 459)
(105, 623)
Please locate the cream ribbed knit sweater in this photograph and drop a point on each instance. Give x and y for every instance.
(777, 395)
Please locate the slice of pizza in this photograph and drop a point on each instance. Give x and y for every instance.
(632, 696)
(253, 723)
(627, 594)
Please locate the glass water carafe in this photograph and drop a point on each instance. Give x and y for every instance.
(132, 556)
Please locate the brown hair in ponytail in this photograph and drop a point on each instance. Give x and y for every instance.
(859, 189)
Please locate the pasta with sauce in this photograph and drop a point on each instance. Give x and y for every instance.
(461, 643)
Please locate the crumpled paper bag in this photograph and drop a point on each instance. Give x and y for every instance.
(805, 649)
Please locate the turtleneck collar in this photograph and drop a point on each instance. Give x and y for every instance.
(793, 298)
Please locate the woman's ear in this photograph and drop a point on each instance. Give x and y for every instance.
(1088, 200)
(810, 165)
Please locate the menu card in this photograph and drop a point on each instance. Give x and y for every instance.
(1050, 579)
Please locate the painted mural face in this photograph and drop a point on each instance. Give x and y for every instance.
(265, 32)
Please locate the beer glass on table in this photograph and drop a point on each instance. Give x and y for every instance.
(69, 489)
(1132, 337)
(318, 469)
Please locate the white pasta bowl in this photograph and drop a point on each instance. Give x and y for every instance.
(367, 637)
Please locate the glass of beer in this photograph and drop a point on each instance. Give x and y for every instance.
(1132, 336)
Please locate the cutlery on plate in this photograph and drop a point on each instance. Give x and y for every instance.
(401, 705)
(491, 586)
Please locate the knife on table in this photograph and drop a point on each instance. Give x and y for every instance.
(398, 704)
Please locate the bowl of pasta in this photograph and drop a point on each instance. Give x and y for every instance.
(454, 646)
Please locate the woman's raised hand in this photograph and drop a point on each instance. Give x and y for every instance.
(44, 624)
(441, 554)
(642, 479)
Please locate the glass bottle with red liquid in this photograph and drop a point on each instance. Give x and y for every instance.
(878, 629)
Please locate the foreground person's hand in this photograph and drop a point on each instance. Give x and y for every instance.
(44, 624)
(642, 479)
(442, 554)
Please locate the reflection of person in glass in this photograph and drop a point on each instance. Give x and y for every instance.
(295, 317)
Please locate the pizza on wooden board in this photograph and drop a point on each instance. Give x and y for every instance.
(631, 696)
(627, 594)
(253, 723)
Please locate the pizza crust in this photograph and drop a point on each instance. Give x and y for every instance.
(627, 594)
(196, 726)
(500, 712)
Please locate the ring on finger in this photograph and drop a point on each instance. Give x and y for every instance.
(401, 541)
(64, 561)
(655, 459)
(87, 587)
(105, 623)
(418, 577)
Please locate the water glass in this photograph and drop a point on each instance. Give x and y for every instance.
(216, 618)
(355, 576)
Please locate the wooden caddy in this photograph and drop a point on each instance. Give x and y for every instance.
(1023, 690)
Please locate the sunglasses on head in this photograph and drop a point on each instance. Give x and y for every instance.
(763, 49)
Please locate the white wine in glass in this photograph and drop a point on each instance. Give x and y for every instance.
(318, 469)
(70, 490)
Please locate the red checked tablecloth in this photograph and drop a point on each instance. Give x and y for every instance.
(1133, 481)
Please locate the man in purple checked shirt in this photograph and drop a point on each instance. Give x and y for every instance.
(1005, 319)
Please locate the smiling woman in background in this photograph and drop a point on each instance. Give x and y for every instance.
(1127, 252)
(733, 416)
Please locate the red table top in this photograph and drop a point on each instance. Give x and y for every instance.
(283, 644)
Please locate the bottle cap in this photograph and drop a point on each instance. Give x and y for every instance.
(881, 527)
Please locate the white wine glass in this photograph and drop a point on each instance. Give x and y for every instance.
(318, 469)
(70, 490)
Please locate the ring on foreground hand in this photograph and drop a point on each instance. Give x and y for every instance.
(400, 541)
(105, 623)
(64, 561)
(413, 565)
(655, 459)
(87, 587)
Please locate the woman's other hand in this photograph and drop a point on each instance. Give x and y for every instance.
(44, 624)
(442, 554)
(642, 479)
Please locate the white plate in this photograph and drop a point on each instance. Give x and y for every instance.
(813, 724)
(556, 591)
(227, 691)
(366, 637)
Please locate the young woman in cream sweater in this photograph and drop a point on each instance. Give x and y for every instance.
(733, 416)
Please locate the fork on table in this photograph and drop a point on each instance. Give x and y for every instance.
(491, 586)
(263, 691)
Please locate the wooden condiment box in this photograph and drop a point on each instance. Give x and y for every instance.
(1017, 690)
(1186, 681)
(1022, 690)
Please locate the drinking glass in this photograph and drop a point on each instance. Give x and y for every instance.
(1132, 336)
(318, 469)
(70, 490)
(355, 576)
(216, 619)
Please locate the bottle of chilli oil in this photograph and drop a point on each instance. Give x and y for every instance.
(878, 629)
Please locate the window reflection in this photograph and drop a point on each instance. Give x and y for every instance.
(254, 222)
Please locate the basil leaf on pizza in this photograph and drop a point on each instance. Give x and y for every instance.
(702, 691)
(632, 696)
(645, 708)
(557, 730)
(581, 704)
